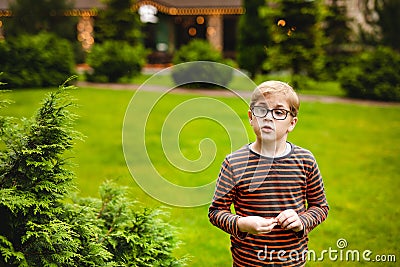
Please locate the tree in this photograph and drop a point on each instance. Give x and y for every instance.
(34, 16)
(118, 39)
(297, 36)
(41, 226)
(338, 35)
(117, 22)
(253, 37)
(383, 18)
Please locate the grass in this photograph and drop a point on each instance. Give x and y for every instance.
(356, 147)
(240, 82)
(309, 86)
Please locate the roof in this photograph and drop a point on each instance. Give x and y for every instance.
(81, 7)
(79, 4)
(199, 3)
(171, 7)
(195, 7)
(88, 4)
(4, 12)
(4, 4)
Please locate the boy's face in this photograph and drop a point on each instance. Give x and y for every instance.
(270, 129)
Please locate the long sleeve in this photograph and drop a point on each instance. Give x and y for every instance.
(317, 209)
(219, 212)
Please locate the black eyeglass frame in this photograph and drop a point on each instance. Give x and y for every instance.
(272, 112)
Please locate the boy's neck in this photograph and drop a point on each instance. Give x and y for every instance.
(267, 149)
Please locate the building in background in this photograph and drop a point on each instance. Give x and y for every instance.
(169, 24)
(173, 23)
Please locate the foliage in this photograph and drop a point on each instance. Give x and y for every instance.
(383, 18)
(36, 60)
(35, 16)
(114, 60)
(339, 46)
(213, 74)
(33, 179)
(117, 22)
(253, 37)
(197, 50)
(40, 227)
(389, 23)
(374, 75)
(132, 236)
(296, 36)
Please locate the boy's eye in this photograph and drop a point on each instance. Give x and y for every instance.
(262, 110)
(279, 112)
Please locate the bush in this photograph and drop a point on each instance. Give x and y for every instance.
(205, 74)
(114, 60)
(374, 75)
(39, 226)
(130, 234)
(41, 60)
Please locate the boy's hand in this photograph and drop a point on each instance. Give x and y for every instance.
(289, 219)
(256, 225)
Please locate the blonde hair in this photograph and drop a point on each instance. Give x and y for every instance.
(277, 87)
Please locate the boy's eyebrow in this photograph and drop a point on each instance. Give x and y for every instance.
(279, 106)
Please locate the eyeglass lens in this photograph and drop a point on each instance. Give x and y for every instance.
(277, 114)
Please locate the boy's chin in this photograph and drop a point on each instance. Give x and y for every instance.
(268, 137)
(268, 140)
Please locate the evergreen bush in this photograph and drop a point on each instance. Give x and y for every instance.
(373, 75)
(339, 44)
(41, 226)
(113, 61)
(213, 74)
(254, 35)
(41, 60)
(297, 37)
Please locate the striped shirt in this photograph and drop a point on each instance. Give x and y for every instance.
(261, 186)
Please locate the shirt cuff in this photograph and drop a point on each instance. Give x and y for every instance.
(239, 234)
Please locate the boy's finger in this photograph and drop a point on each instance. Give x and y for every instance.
(281, 218)
(269, 221)
(291, 225)
(287, 223)
(284, 215)
(267, 229)
(284, 221)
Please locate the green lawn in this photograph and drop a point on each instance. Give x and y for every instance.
(240, 82)
(356, 146)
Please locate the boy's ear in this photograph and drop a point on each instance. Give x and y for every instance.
(250, 115)
(293, 123)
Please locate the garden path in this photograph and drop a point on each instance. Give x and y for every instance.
(229, 93)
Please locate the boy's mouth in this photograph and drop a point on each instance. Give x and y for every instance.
(267, 128)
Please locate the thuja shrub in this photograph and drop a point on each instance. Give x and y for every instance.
(43, 224)
(115, 61)
(41, 60)
(133, 235)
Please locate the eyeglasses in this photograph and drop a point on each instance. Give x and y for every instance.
(277, 113)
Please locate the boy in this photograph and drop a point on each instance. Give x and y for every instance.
(275, 187)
